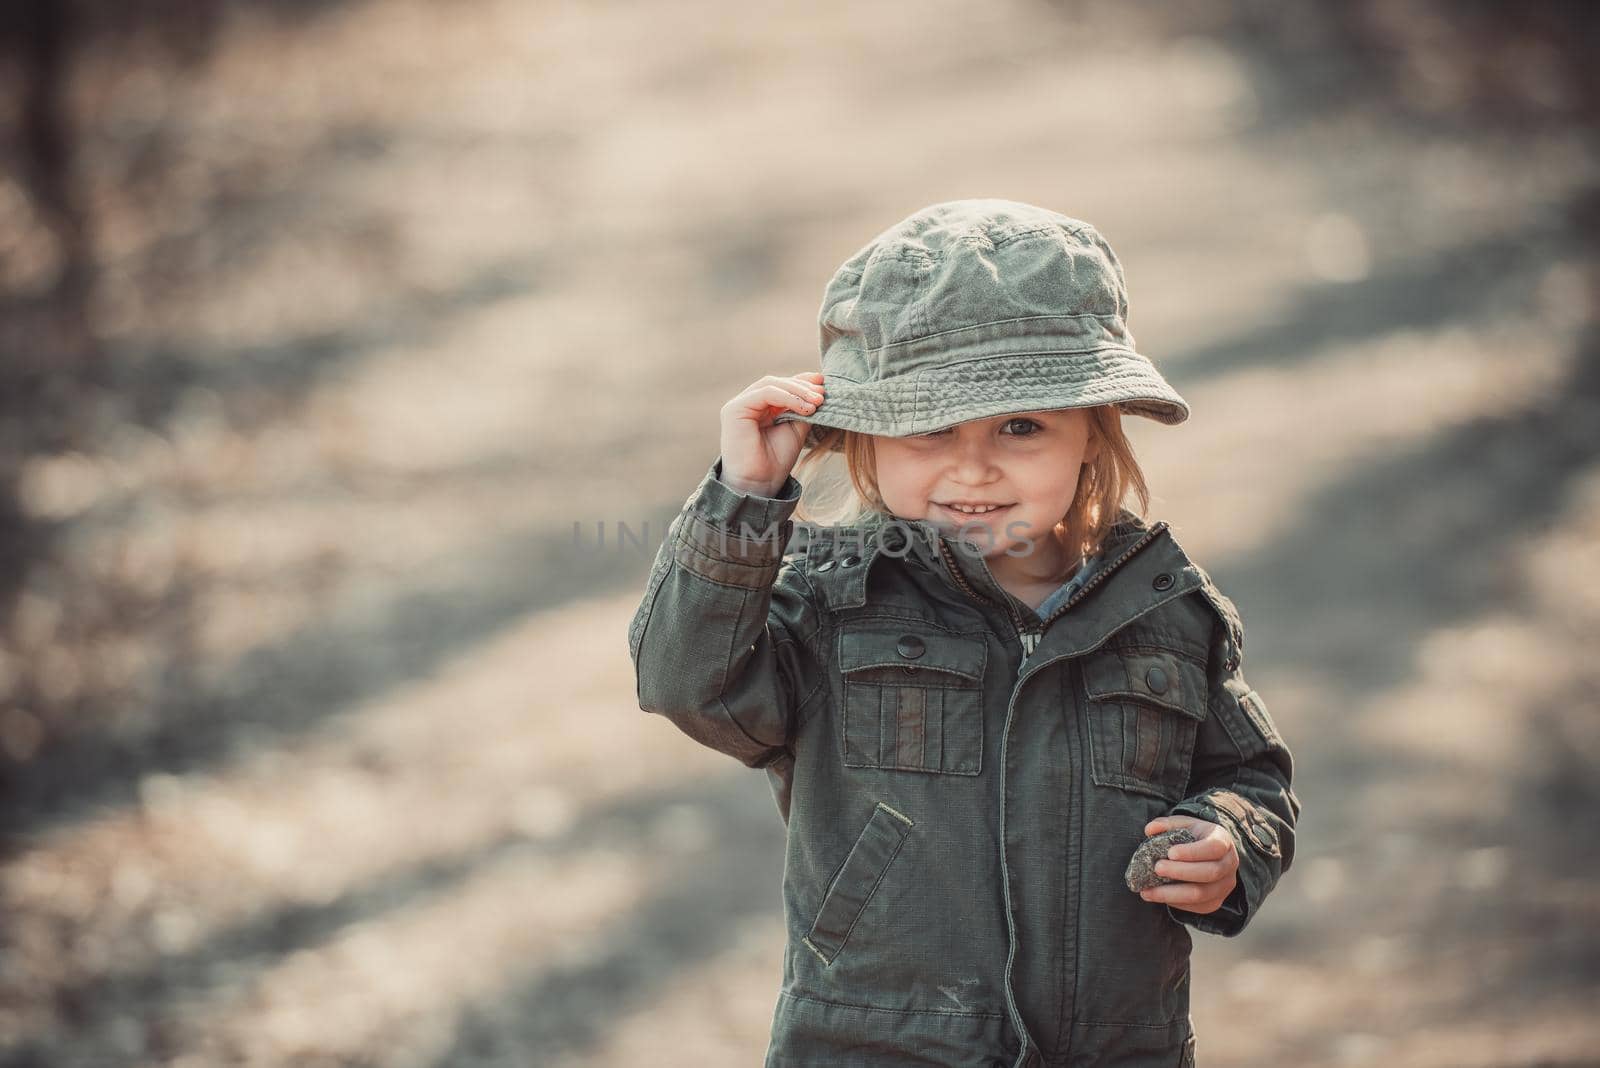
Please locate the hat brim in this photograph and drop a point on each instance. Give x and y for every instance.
(938, 397)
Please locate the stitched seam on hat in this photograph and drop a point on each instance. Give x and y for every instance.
(1052, 230)
(906, 381)
(985, 357)
(996, 322)
(925, 326)
(906, 384)
(919, 256)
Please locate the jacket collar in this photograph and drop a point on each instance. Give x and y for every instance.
(1140, 566)
(944, 554)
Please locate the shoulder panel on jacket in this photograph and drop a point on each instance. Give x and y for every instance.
(837, 560)
(1228, 613)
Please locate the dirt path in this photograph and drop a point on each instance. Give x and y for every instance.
(437, 280)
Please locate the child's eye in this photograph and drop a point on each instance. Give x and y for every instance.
(1029, 428)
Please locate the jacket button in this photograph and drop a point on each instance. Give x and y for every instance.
(1163, 581)
(850, 561)
(826, 565)
(1156, 679)
(910, 647)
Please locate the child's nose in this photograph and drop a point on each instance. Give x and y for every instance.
(974, 464)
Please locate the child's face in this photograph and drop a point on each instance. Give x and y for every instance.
(1029, 462)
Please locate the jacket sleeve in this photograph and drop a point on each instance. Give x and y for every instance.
(721, 644)
(1241, 778)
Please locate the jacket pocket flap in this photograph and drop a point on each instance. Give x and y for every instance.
(857, 880)
(1169, 681)
(951, 654)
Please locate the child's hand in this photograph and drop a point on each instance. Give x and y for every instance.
(1207, 866)
(756, 454)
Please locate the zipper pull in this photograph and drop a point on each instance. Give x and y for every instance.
(1030, 642)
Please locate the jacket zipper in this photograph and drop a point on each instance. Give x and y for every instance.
(961, 580)
(1030, 641)
(1099, 576)
(1030, 638)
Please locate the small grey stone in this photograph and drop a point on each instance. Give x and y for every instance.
(1141, 874)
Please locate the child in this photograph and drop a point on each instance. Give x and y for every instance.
(979, 697)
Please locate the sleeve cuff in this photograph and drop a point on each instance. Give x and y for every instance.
(736, 539)
(1228, 920)
(723, 506)
(1241, 821)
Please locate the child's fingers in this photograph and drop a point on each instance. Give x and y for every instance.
(1209, 848)
(802, 390)
(799, 383)
(1178, 894)
(808, 387)
(1173, 822)
(1208, 871)
(755, 401)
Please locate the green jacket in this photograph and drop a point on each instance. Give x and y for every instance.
(960, 816)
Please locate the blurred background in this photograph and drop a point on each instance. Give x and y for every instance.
(330, 333)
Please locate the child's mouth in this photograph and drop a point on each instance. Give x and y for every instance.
(967, 516)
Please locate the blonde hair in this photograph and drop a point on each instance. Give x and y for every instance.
(1103, 483)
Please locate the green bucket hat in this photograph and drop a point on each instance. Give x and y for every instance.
(971, 309)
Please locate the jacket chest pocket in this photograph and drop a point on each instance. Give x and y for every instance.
(912, 701)
(1143, 710)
